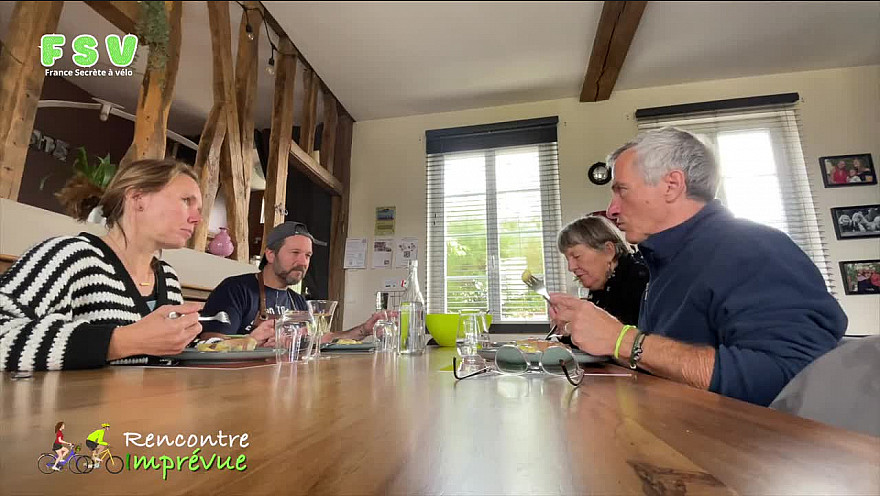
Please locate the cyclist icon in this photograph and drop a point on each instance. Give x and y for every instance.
(101, 451)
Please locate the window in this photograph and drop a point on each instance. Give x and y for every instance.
(763, 174)
(493, 211)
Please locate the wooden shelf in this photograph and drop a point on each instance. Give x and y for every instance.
(316, 172)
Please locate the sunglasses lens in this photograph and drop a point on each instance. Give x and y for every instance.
(550, 361)
(510, 360)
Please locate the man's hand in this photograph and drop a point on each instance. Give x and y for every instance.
(264, 333)
(592, 329)
(156, 334)
(366, 328)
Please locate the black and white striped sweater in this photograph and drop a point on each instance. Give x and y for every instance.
(61, 301)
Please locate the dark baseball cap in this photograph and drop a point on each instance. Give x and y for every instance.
(290, 228)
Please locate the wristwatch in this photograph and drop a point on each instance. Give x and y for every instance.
(636, 353)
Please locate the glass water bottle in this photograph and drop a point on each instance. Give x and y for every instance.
(412, 314)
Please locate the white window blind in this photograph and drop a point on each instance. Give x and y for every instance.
(764, 177)
(492, 213)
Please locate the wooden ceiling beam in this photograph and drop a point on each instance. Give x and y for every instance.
(616, 30)
(123, 15)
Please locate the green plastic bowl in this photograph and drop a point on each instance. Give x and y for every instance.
(444, 326)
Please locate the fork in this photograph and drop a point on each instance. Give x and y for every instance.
(535, 284)
(222, 317)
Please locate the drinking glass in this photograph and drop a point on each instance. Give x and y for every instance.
(471, 327)
(293, 336)
(322, 313)
(385, 334)
(277, 315)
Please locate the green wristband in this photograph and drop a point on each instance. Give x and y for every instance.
(620, 340)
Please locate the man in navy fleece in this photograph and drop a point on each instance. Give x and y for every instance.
(732, 306)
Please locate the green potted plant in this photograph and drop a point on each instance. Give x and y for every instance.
(82, 193)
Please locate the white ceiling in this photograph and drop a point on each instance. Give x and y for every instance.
(388, 59)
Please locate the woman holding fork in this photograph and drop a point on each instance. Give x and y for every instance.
(606, 265)
(74, 302)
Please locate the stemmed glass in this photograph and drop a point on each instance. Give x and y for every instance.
(322, 313)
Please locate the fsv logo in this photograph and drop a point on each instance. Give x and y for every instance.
(121, 51)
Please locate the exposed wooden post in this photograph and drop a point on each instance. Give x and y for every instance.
(231, 161)
(339, 215)
(123, 15)
(154, 100)
(208, 167)
(280, 138)
(616, 30)
(246, 87)
(310, 117)
(21, 82)
(328, 136)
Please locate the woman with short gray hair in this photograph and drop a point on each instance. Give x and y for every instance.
(601, 259)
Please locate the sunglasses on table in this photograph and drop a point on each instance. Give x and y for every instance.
(510, 360)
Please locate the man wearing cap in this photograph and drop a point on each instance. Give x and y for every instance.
(252, 300)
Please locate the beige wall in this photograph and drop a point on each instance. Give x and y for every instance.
(840, 114)
(22, 226)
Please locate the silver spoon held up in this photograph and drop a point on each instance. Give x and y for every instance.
(222, 317)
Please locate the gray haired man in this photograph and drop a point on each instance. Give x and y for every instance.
(731, 306)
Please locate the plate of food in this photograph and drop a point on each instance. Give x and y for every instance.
(348, 345)
(226, 349)
(532, 349)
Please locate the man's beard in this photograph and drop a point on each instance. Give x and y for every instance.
(291, 276)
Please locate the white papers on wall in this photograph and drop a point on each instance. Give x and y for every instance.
(355, 253)
(405, 249)
(383, 249)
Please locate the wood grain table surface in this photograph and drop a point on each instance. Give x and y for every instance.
(381, 424)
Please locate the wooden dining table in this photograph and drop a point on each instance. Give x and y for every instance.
(377, 423)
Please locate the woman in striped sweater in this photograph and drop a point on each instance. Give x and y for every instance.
(75, 302)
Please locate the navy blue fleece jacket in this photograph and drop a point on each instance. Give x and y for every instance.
(745, 289)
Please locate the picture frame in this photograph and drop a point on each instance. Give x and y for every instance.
(856, 222)
(861, 277)
(848, 170)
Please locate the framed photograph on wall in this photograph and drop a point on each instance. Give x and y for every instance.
(861, 221)
(848, 170)
(861, 277)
